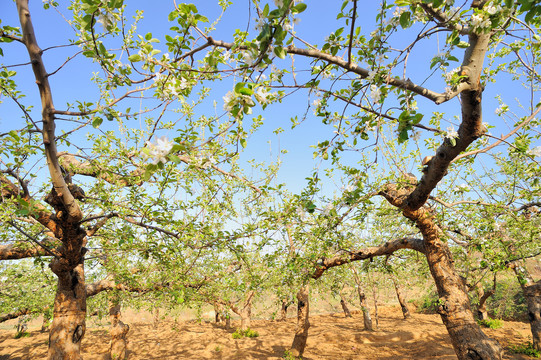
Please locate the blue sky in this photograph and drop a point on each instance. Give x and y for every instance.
(72, 82)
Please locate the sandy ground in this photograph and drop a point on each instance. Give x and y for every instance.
(330, 337)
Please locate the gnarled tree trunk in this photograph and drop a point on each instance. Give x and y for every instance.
(119, 331)
(345, 308)
(532, 295)
(283, 310)
(68, 326)
(245, 312)
(303, 322)
(401, 298)
(362, 299)
(467, 338)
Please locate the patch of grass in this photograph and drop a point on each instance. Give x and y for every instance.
(526, 349)
(22, 334)
(288, 356)
(491, 323)
(217, 349)
(239, 333)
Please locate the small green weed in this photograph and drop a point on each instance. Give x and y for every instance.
(22, 334)
(239, 333)
(217, 349)
(491, 323)
(526, 349)
(288, 356)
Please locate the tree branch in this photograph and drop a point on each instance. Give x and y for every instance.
(367, 253)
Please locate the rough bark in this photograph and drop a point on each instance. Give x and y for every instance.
(245, 312)
(68, 326)
(401, 298)
(532, 295)
(367, 253)
(119, 332)
(467, 338)
(362, 299)
(344, 305)
(283, 310)
(482, 313)
(156, 318)
(303, 323)
(375, 297)
(14, 315)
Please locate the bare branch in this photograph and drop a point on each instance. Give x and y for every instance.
(367, 253)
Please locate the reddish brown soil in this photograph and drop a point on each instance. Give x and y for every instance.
(331, 337)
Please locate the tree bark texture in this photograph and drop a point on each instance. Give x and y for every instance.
(344, 305)
(246, 311)
(303, 322)
(532, 295)
(482, 313)
(119, 332)
(283, 310)
(362, 299)
(401, 298)
(467, 338)
(68, 326)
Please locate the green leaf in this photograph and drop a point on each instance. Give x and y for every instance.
(405, 19)
(135, 58)
(297, 9)
(97, 122)
(243, 143)
(280, 52)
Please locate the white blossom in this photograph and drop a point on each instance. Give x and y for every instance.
(327, 209)
(450, 74)
(371, 75)
(262, 95)
(451, 133)
(536, 151)
(479, 21)
(259, 22)
(227, 55)
(279, 3)
(493, 9)
(248, 58)
(350, 188)
(158, 152)
(375, 93)
(462, 188)
(229, 101)
(502, 109)
(416, 135)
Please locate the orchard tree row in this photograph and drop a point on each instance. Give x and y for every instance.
(411, 135)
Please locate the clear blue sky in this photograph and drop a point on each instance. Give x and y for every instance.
(72, 82)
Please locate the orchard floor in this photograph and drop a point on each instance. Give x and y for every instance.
(330, 337)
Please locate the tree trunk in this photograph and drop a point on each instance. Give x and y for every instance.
(246, 311)
(303, 323)
(68, 326)
(218, 312)
(119, 331)
(347, 313)
(156, 318)
(283, 310)
(401, 298)
(467, 338)
(362, 299)
(375, 296)
(532, 295)
(482, 313)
